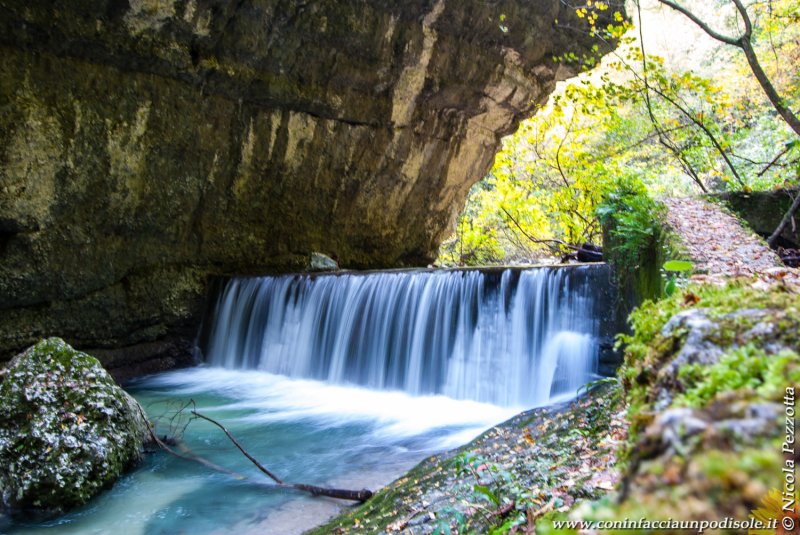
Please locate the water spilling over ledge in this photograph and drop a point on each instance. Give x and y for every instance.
(347, 380)
(513, 337)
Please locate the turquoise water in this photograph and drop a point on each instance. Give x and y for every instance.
(305, 431)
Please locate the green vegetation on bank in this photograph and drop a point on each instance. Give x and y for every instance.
(705, 375)
(753, 339)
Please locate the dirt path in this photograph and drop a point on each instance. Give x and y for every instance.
(721, 247)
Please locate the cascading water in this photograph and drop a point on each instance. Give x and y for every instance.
(299, 351)
(508, 337)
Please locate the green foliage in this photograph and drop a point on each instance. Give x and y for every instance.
(631, 217)
(635, 120)
(484, 232)
(748, 367)
(489, 487)
(677, 270)
(678, 265)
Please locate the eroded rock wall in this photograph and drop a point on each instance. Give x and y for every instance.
(148, 144)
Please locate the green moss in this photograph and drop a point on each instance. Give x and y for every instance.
(708, 356)
(709, 485)
(747, 368)
(648, 348)
(66, 429)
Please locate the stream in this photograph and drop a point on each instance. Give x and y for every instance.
(346, 381)
(305, 431)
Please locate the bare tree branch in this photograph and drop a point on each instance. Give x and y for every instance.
(344, 494)
(544, 240)
(663, 137)
(705, 27)
(787, 217)
(635, 144)
(560, 146)
(774, 160)
(252, 459)
(706, 131)
(745, 42)
(188, 456)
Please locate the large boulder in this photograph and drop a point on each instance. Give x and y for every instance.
(66, 429)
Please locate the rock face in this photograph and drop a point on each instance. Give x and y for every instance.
(148, 144)
(66, 429)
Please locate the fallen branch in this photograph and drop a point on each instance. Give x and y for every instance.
(189, 456)
(787, 217)
(547, 240)
(343, 494)
(252, 459)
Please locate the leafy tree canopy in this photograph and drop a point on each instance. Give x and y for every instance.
(641, 121)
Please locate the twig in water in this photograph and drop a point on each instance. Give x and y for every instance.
(344, 494)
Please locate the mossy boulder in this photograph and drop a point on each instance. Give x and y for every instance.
(66, 429)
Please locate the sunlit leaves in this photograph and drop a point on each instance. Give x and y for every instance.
(636, 118)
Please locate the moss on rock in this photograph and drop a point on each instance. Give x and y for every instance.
(66, 429)
(705, 374)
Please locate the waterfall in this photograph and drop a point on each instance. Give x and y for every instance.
(506, 336)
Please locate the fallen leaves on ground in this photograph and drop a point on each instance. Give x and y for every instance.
(722, 249)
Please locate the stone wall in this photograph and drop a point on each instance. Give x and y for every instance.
(763, 212)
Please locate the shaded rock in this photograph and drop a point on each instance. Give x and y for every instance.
(167, 142)
(321, 262)
(763, 211)
(590, 252)
(66, 429)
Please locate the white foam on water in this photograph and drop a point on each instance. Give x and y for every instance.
(390, 415)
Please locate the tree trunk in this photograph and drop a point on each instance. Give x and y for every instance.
(777, 102)
(785, 221)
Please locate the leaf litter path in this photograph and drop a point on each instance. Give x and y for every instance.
(721, 248)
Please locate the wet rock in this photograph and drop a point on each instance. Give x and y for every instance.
(66, 429)
(322, 262)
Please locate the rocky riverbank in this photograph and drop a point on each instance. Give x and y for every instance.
(539, 462)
